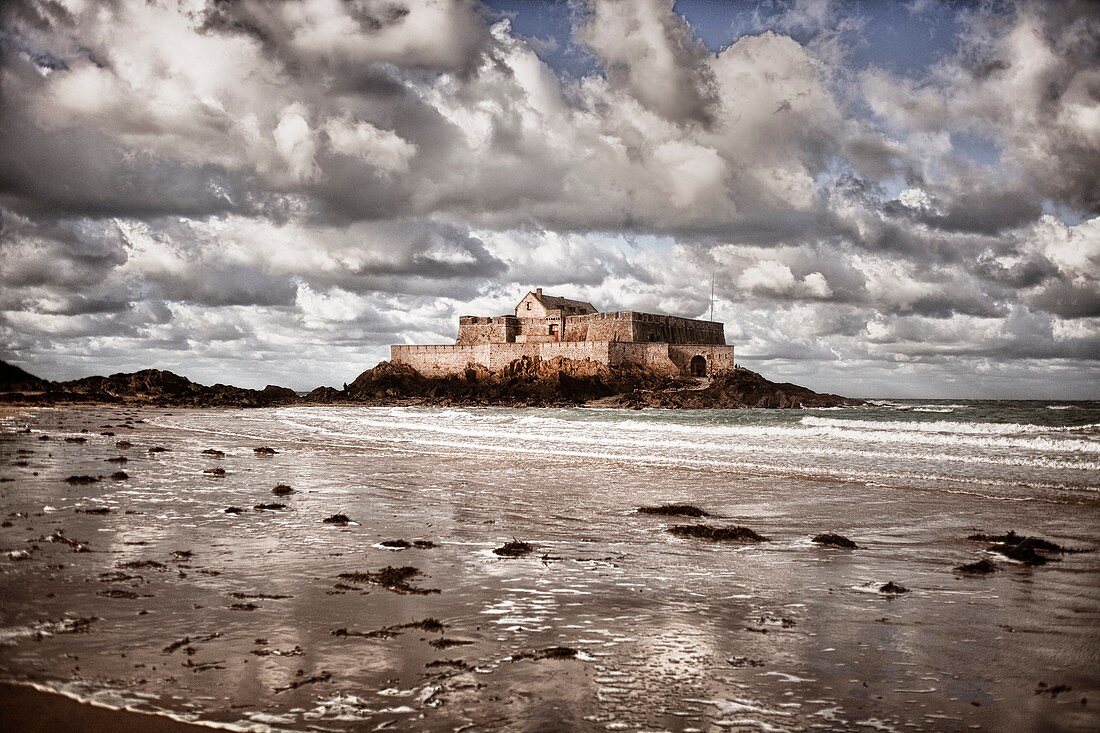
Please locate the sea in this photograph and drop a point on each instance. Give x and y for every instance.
(142, 592)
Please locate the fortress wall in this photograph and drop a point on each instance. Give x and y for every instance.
(438, 360)
(536, 330)
(498, 356)
(719, 358)
(671, 329)
(598, 327)
(577, 350)
(649, 356)
(478, 330)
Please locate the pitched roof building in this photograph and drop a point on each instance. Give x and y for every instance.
(547, 326)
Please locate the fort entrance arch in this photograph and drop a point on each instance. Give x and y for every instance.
(698, 366)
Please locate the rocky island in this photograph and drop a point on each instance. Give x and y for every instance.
(524, 382)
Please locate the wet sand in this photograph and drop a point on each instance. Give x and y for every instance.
(27, 710)
(422, 611)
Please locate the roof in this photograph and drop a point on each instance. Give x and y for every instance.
(554, 302)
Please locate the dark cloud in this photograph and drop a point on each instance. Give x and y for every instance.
(253, 184)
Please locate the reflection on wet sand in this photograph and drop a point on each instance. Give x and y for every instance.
(519, 591)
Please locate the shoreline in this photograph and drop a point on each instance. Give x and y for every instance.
(277, 615)
(30, 707)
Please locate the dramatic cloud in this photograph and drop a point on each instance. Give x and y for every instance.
(265, 192)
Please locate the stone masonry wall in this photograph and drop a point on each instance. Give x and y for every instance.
(665, 358)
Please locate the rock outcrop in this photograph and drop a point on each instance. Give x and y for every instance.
(565, 382)
(527, 381)
(145, 387)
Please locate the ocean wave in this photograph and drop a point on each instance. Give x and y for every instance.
(947, 426)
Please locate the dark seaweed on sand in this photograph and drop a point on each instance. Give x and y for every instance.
(431, 625)
(673, 510)
(514, 549)
(391, 578)
(402, 544)
(981, 567)
(303, 680)
(553, 652)
(835, 540)
(717, 534)
(1022, 549)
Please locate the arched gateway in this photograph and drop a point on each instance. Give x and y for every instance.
(698, 366)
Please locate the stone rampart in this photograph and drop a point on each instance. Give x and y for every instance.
(440, 360)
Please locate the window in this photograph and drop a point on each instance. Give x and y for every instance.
(553, 328)
(528, 305)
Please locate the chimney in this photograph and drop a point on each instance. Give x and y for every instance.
(538, 292)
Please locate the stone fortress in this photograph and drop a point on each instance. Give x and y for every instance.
(547, 326)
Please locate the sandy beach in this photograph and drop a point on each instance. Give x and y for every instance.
(427, 569)
(24, 708)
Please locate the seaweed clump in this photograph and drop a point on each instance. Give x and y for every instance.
(514, 549)
(1026, 550)
(717, 534)
(673, 510)
(981, 567)
(830, 539)
(391, 578)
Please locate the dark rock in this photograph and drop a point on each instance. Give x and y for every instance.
(76, 440)
(448, 643)
(158, 449)
(553, 652)
(1011, 538)
(340, 520)
(300, 681)
(143, 565)
(981, 567)
(673, 510)
(835, 540)
(514, 549)
(1026, 550)
(97, 510)
(746, 662)
(214, 453)
(76, 546)
(282, 490)
(269, 507)
(263, 450)
(123, 444)
(214, 471)
(391, 578)
(120, 476)
(118, 459)
(892, 588)
(717, 534)
(81, 480)
(118, 593)
(1053, 690)
(233, 510)
(430, 625)
(14, 379)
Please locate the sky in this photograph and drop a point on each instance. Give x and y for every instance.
(892, 199)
